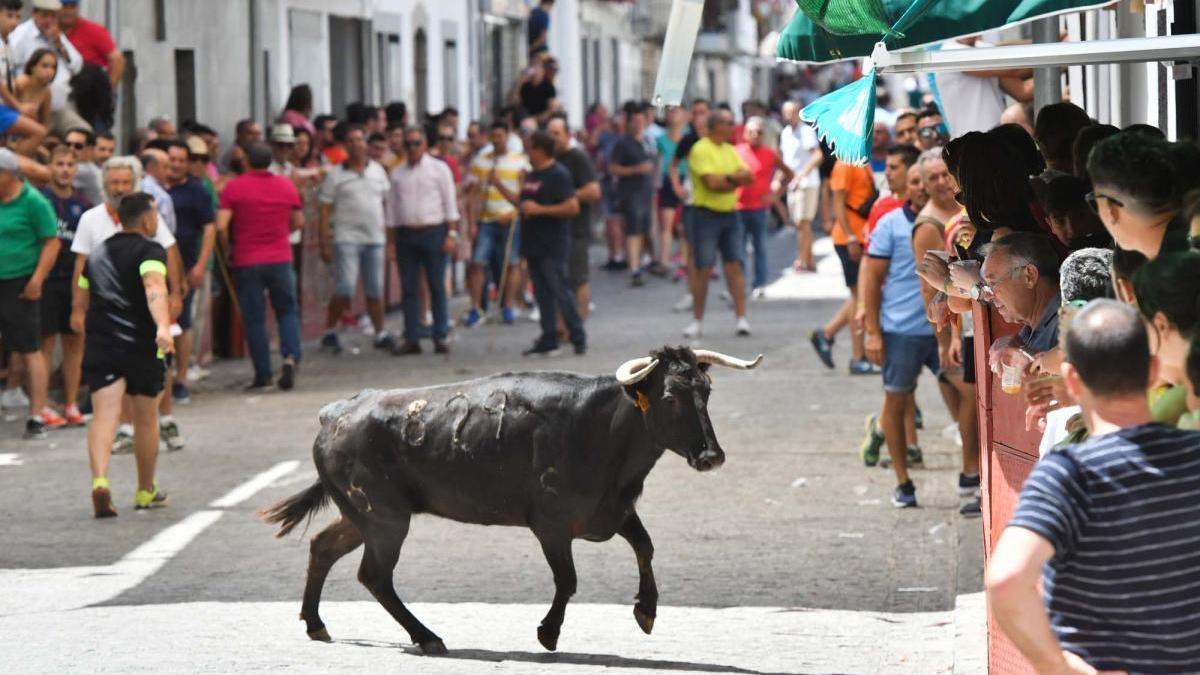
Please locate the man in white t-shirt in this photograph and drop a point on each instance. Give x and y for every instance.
(801, 151)
(974, 101)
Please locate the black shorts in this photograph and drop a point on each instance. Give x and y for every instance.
(20, 319)
(56, 307)
(849, 267)
(968, 356)
(144, 373)
(577, 262)
(667, 199)
(185, 315)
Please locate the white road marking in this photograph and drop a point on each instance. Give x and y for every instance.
(10, 459)
(32, 591)
(248, 489)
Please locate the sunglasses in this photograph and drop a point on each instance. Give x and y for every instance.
(414, 144)
(76, 146)
(446, 138)
(1091, 198)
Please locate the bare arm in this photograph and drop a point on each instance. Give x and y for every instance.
(224, 218)
(788, 174)
(589, 192)
(926, 238)
(297, 221)
(79, 295)
(116, 67)
(870, 288)
(34, 170)
(564, 209)
(841, 214)
(175, 280)
(157, 301)
(207, 239)
(719, 182)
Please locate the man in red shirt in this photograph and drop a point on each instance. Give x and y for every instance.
(93, 41)
(258, 212)
(754, 199)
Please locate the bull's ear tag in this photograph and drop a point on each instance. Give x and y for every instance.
(642, 403)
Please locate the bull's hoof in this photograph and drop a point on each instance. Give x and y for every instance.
(320, 635)
(644, 620)
(433, 648)
(548, 637)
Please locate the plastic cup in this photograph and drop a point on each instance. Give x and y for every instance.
(1010, 379)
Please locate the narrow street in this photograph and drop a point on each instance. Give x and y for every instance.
(789, 559)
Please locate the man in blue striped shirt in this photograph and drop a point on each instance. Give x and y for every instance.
(1109, 524)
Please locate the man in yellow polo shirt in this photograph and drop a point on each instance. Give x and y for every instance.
(717, 171)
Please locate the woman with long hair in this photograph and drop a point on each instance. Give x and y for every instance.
(298, 109)
(32, 88)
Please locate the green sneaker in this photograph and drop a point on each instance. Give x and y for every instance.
(872, 442)
(145, 499)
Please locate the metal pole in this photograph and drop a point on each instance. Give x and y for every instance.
(1047, 82)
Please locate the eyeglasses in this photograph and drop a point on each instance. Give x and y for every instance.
(414, 144)
(76, 146)
(991, 285)
(1091, 198)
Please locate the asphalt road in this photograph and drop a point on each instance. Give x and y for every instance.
(792, 520)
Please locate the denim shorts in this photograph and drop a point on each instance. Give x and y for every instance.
(352, 259)
(635, 212)
(904, 355)
(713, 230)
(490, 242)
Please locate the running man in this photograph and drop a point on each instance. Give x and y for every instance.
(121, 300)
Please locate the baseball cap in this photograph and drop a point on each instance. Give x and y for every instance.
(9, 161)
(51, 5)
(197, 147)
(283, 133)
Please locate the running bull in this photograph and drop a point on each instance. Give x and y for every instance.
(562, 454)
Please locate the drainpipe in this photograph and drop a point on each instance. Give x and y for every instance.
(255, 41)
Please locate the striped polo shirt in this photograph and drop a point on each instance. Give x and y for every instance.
(1123, 586)
(508, 171)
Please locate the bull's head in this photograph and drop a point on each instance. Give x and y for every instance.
(671, 387)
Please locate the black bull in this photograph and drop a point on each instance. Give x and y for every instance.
(564, 455)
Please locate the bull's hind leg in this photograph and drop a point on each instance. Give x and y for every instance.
(335, 541)
(379, 561)
(647, 605)
(557, 549)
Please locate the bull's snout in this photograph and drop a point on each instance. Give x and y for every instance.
(707, 460)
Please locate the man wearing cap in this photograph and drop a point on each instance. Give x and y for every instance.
(195, 232)
(283, 141)
(94, 42)
(28, 248)
(41, 31)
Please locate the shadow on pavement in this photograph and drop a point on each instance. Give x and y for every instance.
(568, 658)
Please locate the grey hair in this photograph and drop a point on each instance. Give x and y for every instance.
(1086, 275)
(122, 162)
(757, 121)
(927, 155)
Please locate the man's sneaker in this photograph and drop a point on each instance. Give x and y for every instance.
(180, 393)
(743, 327)
(615, 266)
(259, 384)
(684, 304)
(541, 349)
(693, 330)
(35, 429)
(52, 419)
(331, 344)
(14, 399)
(580, 348)
(287, 373)
(102, 504)
(637, 280)
(919, 419)
(508, 316)
(407, 349)
(473, 318)
(759, 293)
(872, 442)
(123, 443)
(385, 342)
(534, 315)
(916, 459)
(971, 509)
(169, 433)
(823, 347)
(864, 367)
(968, 484)
(145, 499)
(73, 416)
(905, 496)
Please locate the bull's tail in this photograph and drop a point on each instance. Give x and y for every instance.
(291, 511)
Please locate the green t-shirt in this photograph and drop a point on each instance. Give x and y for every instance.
(25, 223)
(1169, 405)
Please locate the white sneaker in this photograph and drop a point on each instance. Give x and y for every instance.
(693, 330)
(759, 293)
(535, 315)
(196, 373)
(743, 327)
(727, 298)
(684, 304)
(14, 399)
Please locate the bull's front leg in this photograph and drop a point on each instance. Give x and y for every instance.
(647, 598)
(557, 548)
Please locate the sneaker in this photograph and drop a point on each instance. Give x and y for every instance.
(743, 327)
(693, 330)
(905, 496)
(916, 459)
(385, 342)
(971, 509)
(259, 384)
(615, 266)
(872, 442)
(180, 393)
(919, 419)
(541, 349)
(823, 346)
(637, 280)
(534, 315)
(726, 298)
(145, 500)
(169, 433)
(196, 373)
(508, 316)
(407, 349)
(331, 344)
(684, 304)
(35, 429)
(14, 399)
(473, 318)
(287, 373)
(123, 443)
(102, 504)
(864, 367)
(680, 274)
(658, 269)
(73, 416)
(968, 484)
(759, 293)
(52, 419)
(580, 348)
(441, 347)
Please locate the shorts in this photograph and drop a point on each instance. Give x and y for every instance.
(667, 199)
(968, 357)
(635, 214)
(20, 319)
(8, 117)
(490, 242)
(685, 221)
(849, 267)
(349, 260)
(144, 373)
(56, 307)
(802, 203)
(577, 262)
(713, 230)
(902, 360)
(185, 314)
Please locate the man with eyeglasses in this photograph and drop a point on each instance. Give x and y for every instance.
(931, 129)
(1020, 273)
(87, 172)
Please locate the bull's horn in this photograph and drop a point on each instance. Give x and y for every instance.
(635, 370)
(719, 359)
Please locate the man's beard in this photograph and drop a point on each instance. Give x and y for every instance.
(114, 201)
